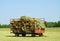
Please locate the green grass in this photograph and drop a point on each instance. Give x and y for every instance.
(51, 34)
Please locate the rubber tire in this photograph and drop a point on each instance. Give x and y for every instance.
(23, 35)
(17, 35)
(41, 34)
(33, 35)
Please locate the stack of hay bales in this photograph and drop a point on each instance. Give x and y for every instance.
(25, 23)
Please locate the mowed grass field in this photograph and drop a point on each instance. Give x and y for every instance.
(51, 34)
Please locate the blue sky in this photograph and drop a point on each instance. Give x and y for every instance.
(48, 9)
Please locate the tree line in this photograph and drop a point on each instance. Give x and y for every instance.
(4, 25)
(52, 24)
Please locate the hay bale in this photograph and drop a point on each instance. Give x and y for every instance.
(26, 23)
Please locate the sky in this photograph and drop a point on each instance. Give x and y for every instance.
(48, 9)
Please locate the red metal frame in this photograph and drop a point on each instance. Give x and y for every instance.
(39, 31)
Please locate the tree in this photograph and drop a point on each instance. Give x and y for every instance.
(58, 24)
